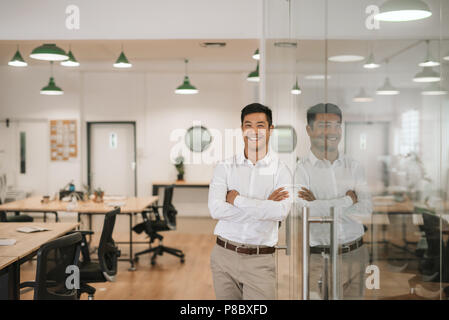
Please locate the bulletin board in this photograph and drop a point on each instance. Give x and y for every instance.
(63, 140)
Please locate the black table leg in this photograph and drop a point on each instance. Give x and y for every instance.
(131, 258)
(14, 281)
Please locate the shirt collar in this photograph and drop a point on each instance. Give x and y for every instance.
(241, 159)
(313, 159)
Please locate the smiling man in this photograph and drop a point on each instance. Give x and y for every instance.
(326, 178)
(249, 196)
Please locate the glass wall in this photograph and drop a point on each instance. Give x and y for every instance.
(371, 161)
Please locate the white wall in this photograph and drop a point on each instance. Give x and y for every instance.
(148, 99)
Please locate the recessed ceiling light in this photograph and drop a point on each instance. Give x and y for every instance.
(285, 44)
(403, 10)
(346, 58)
(317, 77)
(213, 44)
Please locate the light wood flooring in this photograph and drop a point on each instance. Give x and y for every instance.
(169, 279)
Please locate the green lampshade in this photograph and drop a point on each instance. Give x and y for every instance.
(17, 60)
(186, 87)
(254, 76)
(49, 52)
(296, 89)
(122, 62)
(256, 55)
(71, 62)
(51, 88)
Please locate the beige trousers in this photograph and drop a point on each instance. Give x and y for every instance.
(238, 276)
(351, 274)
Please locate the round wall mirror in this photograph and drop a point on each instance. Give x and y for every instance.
(198, 138)
(283, 139)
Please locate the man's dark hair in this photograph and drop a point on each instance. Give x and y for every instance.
(255, 108)
(322, 108)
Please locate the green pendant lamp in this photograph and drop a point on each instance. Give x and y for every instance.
(51, 89)
(254, 75)
(17, 60)
(186, 87)
(122, 61)
(256, 55)
(49, 52)
(71, 62)
(296, 90)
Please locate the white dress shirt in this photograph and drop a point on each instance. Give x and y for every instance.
(329, 184)
(252, 219)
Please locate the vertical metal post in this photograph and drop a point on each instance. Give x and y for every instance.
(333, 253)
(305, 253)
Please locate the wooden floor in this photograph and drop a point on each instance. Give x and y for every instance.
(169, 279)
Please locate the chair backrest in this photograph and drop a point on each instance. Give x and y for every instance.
(53, 258)
(431, 228)
(107, 251)
(168, 209)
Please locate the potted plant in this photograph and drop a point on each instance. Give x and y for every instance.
(99, 194)
(179, 165)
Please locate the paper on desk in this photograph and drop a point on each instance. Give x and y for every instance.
(115, 203)
(7, 242)
(31, 229)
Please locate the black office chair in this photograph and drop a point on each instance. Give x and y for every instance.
(106, 267)
(152, 227)
(52, 260)
(433, 266)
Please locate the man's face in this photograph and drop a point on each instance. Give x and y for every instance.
(325, 132)
(256, 131)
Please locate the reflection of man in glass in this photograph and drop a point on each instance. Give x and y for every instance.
(247, 196)
(326, 178)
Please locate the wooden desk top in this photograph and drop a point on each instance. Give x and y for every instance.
(181, 183)
(33, 204)
(6, 261)
(29, 242)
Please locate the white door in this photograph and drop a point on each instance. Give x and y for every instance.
(112, 153)
(24, 155)
(368, 144)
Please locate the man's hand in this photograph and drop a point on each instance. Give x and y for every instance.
(353, 196)
(231, 195)
(306, 194)
(279, 195)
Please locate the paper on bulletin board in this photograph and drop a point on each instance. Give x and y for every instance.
(63, 140)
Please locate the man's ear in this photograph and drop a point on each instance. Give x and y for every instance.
(309, 130)
(271, 129)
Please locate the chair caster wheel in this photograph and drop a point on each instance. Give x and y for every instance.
(153, 262)
(182, 260)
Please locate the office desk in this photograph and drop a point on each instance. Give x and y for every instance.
(128, 206)
(26, 246)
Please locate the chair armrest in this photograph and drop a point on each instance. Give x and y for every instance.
(83, 232)
(28, 284)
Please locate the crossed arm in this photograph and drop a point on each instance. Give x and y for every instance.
(229, 205)
(357, 201)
